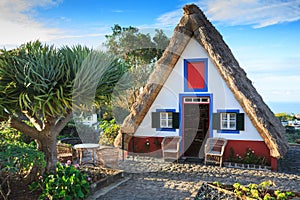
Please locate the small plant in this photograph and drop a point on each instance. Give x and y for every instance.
(260, 191)
(231, 157)
(217, 183)
(66, 183)
(249, 157)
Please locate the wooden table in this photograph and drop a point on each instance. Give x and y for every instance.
(87, 146)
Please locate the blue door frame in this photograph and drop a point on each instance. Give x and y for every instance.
(181, 99)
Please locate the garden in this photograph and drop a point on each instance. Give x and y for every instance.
(42, 88)
(261, 191)
(23, 174)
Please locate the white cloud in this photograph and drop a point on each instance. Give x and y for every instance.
(258, 13)
(18, 23)
(21, 24)
(169, 19)
(278, 88)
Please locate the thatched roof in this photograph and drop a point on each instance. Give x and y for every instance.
(195, 25)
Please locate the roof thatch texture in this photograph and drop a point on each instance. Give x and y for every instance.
(195, 24)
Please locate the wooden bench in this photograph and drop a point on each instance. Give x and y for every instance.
(171, 147)
(65, 152)
(214, 149)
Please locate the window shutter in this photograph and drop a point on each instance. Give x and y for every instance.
(216, 121)
(240, 121)
(175, 121)
(155, 120)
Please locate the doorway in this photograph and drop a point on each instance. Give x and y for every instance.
(195, 124)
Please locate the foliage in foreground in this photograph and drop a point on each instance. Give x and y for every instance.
(17, 158)
(258, 191)
(67, 183)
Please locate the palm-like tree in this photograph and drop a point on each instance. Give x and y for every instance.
(41, 86)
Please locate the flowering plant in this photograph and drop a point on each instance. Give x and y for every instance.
(68, 182)
(249, 157)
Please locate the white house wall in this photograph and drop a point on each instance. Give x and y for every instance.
(223, 98)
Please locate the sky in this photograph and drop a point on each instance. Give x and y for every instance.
(264, 35)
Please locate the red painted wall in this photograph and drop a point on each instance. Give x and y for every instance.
(259, 148)
(146, 145)
(240, 147)
(152, 146)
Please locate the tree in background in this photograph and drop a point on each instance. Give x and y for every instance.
(41, 86)
(139, 52)
(285, 116)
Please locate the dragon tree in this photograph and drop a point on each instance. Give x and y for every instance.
(41, 86)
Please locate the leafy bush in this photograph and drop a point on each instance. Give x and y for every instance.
(110, 131)
(67, 183)
(292, 138)
(17, 158)
(257, 191)
(260, 191)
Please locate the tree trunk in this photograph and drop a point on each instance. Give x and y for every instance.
(46, 137)
(47, 144)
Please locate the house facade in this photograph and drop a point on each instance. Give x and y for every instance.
(197, 91)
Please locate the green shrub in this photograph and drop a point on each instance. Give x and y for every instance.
(110, 130)
(260, 191)
(17, 158)
(292, 138)
(249, 157)
(67, 183)
(257, 191)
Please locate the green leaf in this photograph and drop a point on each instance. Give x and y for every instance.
(80, 193)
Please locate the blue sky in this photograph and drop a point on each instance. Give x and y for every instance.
(263, 35)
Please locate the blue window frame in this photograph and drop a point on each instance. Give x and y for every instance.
(195, 80)
(166, 120)
(228, 121)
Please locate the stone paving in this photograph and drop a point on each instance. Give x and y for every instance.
(151, 178)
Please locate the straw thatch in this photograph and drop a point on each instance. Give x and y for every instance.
(195, 24)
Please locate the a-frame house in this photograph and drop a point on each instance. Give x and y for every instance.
(198, 90)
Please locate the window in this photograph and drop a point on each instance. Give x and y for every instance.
(165, 120)
(228, 121)
(195, 75)
(196, 100)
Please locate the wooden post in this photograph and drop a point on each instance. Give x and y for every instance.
(123, 145)
(132, 147)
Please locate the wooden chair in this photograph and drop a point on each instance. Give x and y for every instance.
(171, 147)
(108, 156)
(64, 152)
(214, 149)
